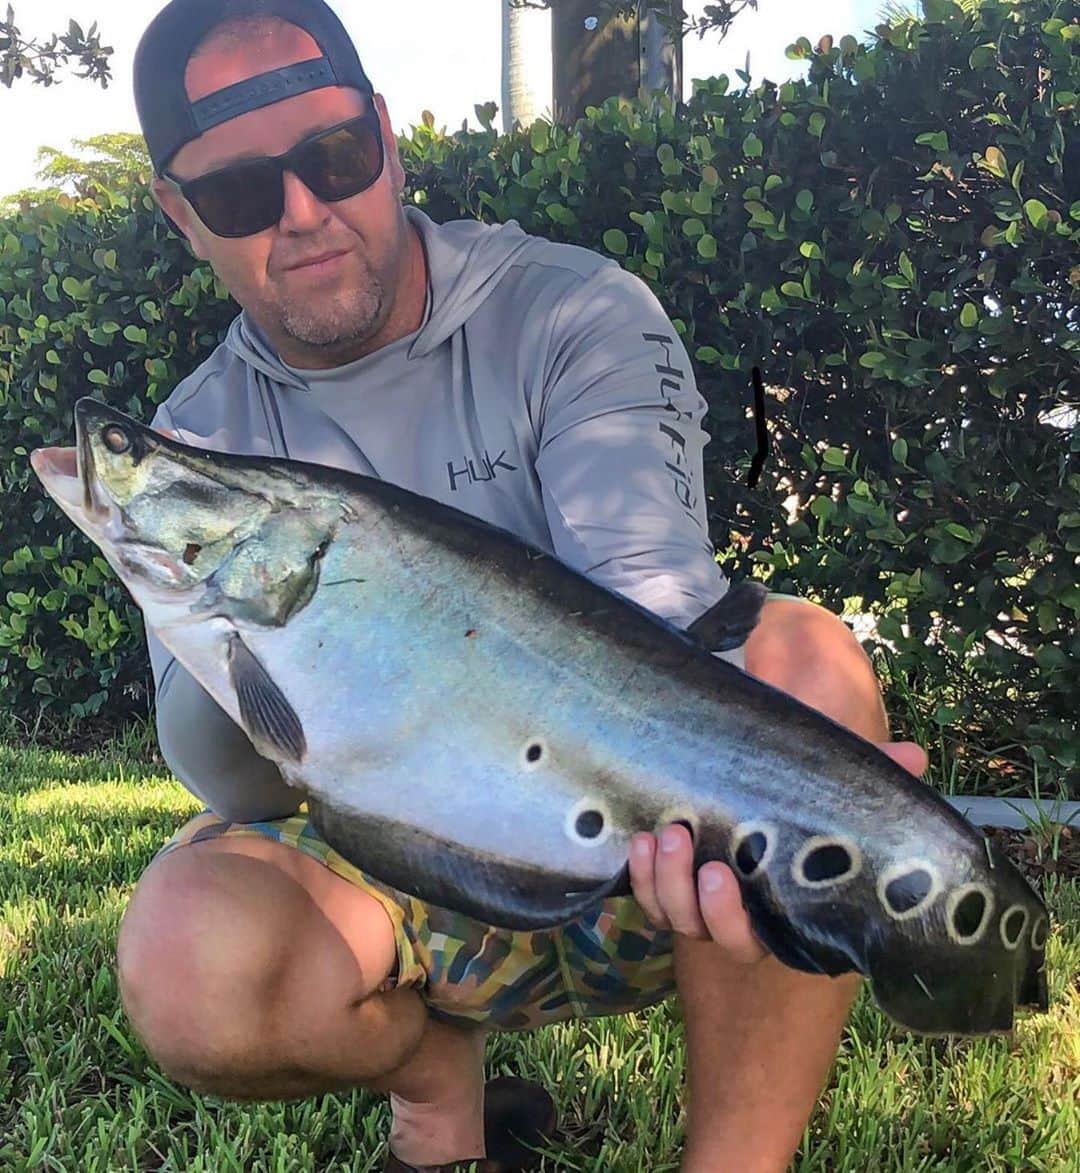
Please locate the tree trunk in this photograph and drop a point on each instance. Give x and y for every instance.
(595, 57)
(525, 61)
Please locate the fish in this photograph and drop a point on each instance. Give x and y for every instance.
(476, 723)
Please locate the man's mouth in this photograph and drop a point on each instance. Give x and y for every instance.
(321, 263)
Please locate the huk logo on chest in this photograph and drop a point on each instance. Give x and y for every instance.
(472, 475)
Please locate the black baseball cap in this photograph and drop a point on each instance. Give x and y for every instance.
(169, 119)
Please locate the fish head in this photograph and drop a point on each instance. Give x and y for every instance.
(166, 516)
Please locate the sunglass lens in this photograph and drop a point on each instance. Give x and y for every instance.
(342, 163)
(239, 201)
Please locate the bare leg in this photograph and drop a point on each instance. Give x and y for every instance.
(761, 1039)
(251, 971)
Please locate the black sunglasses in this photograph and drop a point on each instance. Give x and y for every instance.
(249, 196)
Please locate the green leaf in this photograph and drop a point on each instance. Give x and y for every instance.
(792, 289)
(959, 531)
(76, 290)
(906, 267)
(833, 457)
(823, 508)
(615, 241)
(135, 334)
(816, 123)
(937, 139)
(900, 450)
(804, 201)
(969, 316)
(706, 247)
(707, 354)
(1035, 210)
(995, 162)
(561, 214)
(872, 359)
(98, 378)
(693, 227)
(752, 146)
(811, 250)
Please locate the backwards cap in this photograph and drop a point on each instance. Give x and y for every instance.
(169, 119)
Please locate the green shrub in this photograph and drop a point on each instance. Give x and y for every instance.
(893, 242)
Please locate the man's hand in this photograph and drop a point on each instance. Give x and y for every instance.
(710, 907)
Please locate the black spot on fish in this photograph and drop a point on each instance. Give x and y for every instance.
(828, 862)
(589, 824)
(1012, 926)
(191, 552)
(750, 852)
(534, 752)
(905, 892)
(1039, 934)
(968, 914)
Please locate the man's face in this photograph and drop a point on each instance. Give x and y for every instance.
(316, 314)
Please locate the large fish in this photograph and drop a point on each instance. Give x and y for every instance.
(479, 725)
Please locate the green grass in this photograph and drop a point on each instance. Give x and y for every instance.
(78, 1094)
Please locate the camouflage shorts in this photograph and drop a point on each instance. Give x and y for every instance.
(608, 962)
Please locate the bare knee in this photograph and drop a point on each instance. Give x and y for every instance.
(196, 974)
(812, 654)
(228, 965)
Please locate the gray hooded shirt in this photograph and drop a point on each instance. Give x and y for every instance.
(546, 392)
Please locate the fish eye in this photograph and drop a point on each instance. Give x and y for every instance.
(116, 439)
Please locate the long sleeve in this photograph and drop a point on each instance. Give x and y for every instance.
(621, 443)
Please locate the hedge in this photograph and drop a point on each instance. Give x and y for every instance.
(892, 241)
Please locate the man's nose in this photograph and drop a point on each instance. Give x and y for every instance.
(303, 210)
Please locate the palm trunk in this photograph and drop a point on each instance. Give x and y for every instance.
(525, 31)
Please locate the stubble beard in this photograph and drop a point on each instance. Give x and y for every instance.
(353, 315)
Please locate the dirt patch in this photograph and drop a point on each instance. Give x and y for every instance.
(1040, 852)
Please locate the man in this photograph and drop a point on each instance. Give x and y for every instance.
(537, 386)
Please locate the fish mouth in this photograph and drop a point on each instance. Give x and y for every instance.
(67, 474)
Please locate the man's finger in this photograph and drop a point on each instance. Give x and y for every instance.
(908, 754)
(642, 880)
(676, 888)
(725, 917)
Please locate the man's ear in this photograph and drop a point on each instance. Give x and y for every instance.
(390, 147)
(177, 212)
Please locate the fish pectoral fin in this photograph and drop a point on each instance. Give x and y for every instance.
(267, 717)
(728, 623)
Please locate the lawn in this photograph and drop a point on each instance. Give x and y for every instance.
(78, 1094)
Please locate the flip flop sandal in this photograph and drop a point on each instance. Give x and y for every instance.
(519, 1115)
